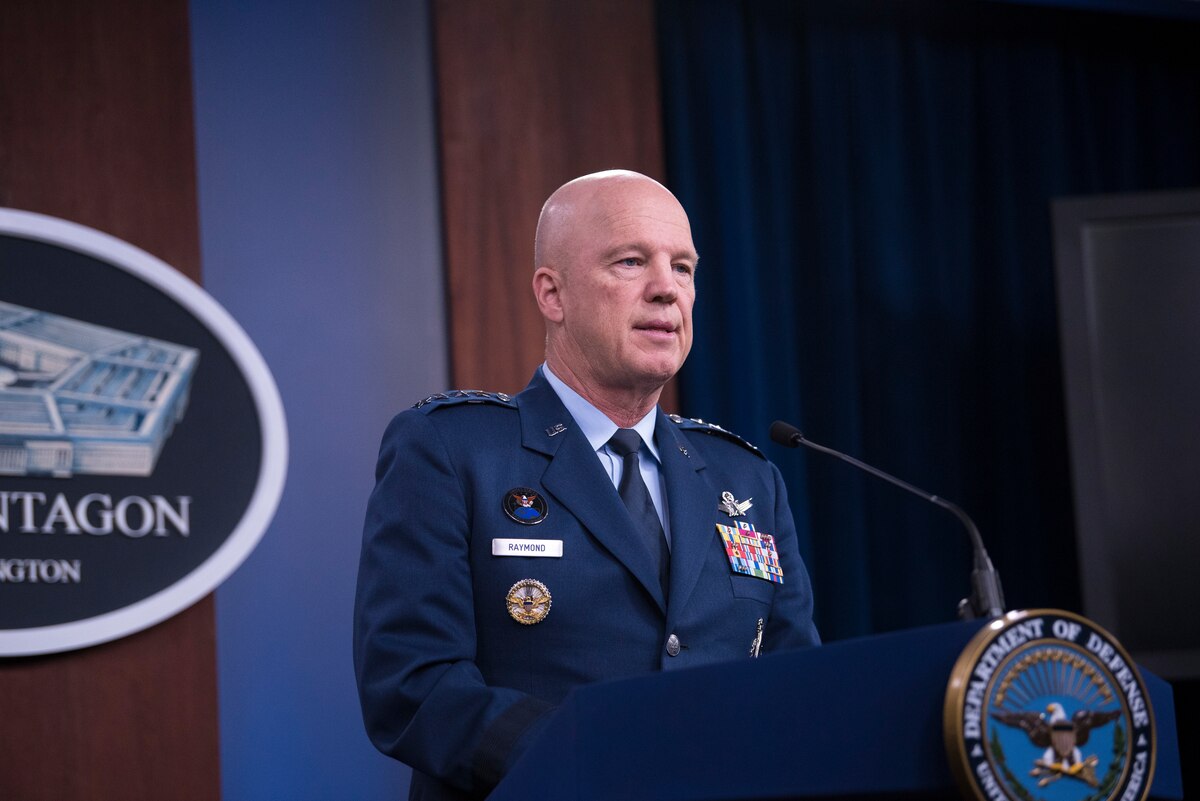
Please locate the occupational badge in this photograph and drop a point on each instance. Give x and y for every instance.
(524, 506)
(528, 601)
(751, 552)
(732, 506)
(1046, 704)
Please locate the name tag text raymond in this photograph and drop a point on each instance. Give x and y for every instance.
(527, 548)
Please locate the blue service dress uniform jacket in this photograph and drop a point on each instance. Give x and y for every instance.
(454, 686)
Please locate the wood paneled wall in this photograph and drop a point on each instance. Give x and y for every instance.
(96, 127)
(532, 93)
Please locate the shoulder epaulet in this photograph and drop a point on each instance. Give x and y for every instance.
(696, 424)
(457, 396)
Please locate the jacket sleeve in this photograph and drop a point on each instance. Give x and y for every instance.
(424, 700)
(791, 624)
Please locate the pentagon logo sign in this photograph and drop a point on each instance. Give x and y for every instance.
(142, 439)
(1045, 705)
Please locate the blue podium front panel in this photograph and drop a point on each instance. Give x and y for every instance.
(855, 718)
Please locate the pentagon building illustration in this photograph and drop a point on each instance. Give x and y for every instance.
(77, 398)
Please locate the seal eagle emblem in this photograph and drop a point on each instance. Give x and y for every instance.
(1062, 738)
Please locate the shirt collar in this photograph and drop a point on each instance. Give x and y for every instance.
(594, 423)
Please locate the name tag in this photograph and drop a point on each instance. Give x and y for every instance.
(527, 548)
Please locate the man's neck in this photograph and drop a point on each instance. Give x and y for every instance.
(624, 406)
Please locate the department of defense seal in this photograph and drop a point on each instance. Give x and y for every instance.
(1044, 705)
(528, 601)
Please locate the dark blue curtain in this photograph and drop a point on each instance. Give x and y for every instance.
(869, 186)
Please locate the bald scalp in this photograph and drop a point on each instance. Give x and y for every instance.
(574, 204)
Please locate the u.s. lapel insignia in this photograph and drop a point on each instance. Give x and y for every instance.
(528, 601)
(524, 506)
(556, 429)
(732, 506)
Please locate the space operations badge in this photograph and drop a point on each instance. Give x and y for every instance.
(1045, 705)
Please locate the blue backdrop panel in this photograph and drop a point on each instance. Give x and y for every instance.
(318, 199)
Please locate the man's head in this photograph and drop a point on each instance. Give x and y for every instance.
(614, 279)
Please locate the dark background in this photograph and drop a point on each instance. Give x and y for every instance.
(870, 187)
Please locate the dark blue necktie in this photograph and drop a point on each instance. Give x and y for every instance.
(632, 489)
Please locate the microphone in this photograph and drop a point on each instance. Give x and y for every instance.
(986, 599)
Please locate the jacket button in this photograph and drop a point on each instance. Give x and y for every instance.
(673, 645)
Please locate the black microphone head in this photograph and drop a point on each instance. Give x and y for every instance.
(786, 434)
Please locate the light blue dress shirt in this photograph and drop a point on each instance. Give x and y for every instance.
(598, 429)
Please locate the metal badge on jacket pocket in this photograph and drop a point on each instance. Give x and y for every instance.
(528, 601)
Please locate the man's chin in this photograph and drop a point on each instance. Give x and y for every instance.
(656, 375)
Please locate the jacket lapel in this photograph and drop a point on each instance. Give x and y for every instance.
(578, 482)
(690, 503)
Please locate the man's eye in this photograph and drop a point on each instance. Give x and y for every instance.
(686, 269)
(631, 261)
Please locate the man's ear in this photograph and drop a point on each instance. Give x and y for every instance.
(547, 289)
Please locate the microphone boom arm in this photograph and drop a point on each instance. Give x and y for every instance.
(987, 597)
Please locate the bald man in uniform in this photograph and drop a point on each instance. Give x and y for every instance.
(516, 547)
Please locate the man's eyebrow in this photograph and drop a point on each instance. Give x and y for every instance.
(642, 247)
(687, 255)
(625, 247)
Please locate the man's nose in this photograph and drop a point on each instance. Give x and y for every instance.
(660, 281)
